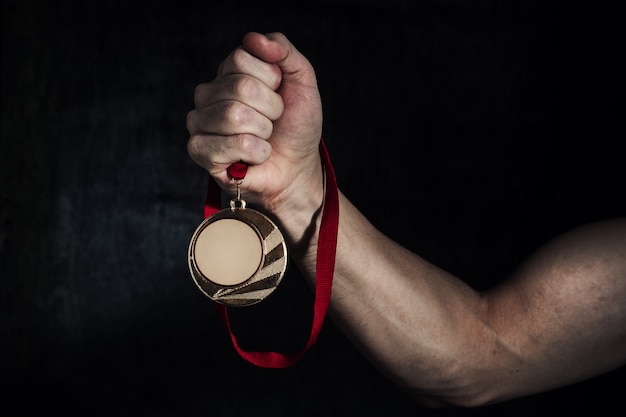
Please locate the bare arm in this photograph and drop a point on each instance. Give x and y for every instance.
(557, 320)
(426, 330)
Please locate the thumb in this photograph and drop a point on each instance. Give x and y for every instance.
(275, 48)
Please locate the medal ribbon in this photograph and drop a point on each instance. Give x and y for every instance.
(325, 265)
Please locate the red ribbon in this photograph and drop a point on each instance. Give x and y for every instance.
(237, 171)
(325, 267)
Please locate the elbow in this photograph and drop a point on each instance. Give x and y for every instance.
(456, 400)
(455, 390)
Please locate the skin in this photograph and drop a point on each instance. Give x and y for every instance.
(560, 318)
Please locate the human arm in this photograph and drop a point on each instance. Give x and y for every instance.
(560, 318)
(425, 329)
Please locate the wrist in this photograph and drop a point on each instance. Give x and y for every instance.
(300, 214)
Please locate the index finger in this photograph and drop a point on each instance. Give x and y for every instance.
(241, 61)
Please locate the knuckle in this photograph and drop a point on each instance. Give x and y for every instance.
(246, 143)
(190, 121)
(199, 94)
(277, 106)
(198, 91)
(245, 87)
(194, 146)
(274, 78)
(234, 114)
(239, 58)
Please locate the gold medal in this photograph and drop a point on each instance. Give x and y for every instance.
(220, 244)
(237, 256)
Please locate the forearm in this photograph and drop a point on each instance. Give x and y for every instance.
(413, 320)
(556, 321)
(447, 344)
(419, 325)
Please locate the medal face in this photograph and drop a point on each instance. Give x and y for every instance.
(237, 257)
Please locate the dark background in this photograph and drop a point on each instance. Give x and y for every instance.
(472, 132)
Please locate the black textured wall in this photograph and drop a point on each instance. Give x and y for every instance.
(471, 132)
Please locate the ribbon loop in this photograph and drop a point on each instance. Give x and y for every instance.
(325, 266)
(237, 171)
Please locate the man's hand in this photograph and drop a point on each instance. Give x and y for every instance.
(263, 108)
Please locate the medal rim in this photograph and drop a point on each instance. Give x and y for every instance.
(216, 291)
